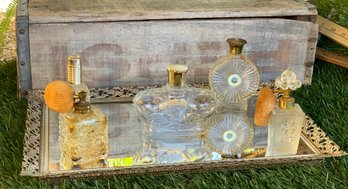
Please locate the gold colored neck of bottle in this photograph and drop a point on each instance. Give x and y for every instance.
(236, 45)
(82, 106)
(286, 102)
(236, 50)
(176, 75)
(74, 70)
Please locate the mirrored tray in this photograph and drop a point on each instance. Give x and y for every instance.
(41, 151)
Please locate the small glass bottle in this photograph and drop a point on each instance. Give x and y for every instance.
(234, 77)
(83, 132)
(173, 117)
(286, 120)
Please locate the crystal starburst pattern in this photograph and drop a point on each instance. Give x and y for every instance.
(234, 79)
(228, 134)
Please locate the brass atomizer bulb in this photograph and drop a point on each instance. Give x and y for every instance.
(236, 45)
(74, 69)
(176, 74)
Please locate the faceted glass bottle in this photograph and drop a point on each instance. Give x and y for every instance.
(228, 133)
(234, 77)
(286, 120)
(83, 132)
(173, 117)
(83, 136)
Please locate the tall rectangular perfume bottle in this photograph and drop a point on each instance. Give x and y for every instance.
(83, 132)
(287, 119)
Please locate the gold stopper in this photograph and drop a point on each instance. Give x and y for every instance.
(74, 69)
(176, 74)
(83, 106)
(236, 45)
(287, 82)
(59, 96)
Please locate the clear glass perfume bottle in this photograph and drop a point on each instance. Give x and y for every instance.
(286, 120)
(83, 132)
(173, 116)
(228, 133)
(234, 77)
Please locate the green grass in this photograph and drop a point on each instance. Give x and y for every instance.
(326, 101)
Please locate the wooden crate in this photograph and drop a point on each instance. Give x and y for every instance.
(127, 43)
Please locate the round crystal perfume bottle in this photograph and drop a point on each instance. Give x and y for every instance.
(173, 117)
(234, 77)
(228, 133)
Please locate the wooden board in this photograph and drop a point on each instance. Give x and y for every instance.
(136, 53)
(53, 11)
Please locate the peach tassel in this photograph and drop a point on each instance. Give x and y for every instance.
(264, 105)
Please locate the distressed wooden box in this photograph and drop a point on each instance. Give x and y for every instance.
(129, 43)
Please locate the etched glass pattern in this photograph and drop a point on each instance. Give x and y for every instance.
(229, 133)
(234, 78)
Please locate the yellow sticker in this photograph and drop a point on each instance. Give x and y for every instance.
(120, 162)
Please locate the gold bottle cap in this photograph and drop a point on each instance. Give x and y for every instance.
(236, 45)
(59, 96)
(287, 82)
(74, 70)
(82, 106)
(176, 74)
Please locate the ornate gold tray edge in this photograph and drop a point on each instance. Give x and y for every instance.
(34, 151)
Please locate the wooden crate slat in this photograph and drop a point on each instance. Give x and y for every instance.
(52, 11)
(136, 53)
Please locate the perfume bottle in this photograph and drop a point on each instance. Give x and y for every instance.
(83, 136)
(173, 117)
(83, 129)
(228, 133)
(234, 77)
(286, 120)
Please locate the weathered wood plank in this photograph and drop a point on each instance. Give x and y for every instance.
(52, 11)
(136, 53)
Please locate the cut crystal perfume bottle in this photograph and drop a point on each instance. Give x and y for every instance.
(286, 120)
(83, 129)
(228, 133)
(234, 77)
(173, 116)
(83, 136)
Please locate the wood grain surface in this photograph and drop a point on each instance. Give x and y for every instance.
(136, 53)
(53, 11)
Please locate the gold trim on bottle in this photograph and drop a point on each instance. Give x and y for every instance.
(236, 45)
(176, 74)
(74, 69)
